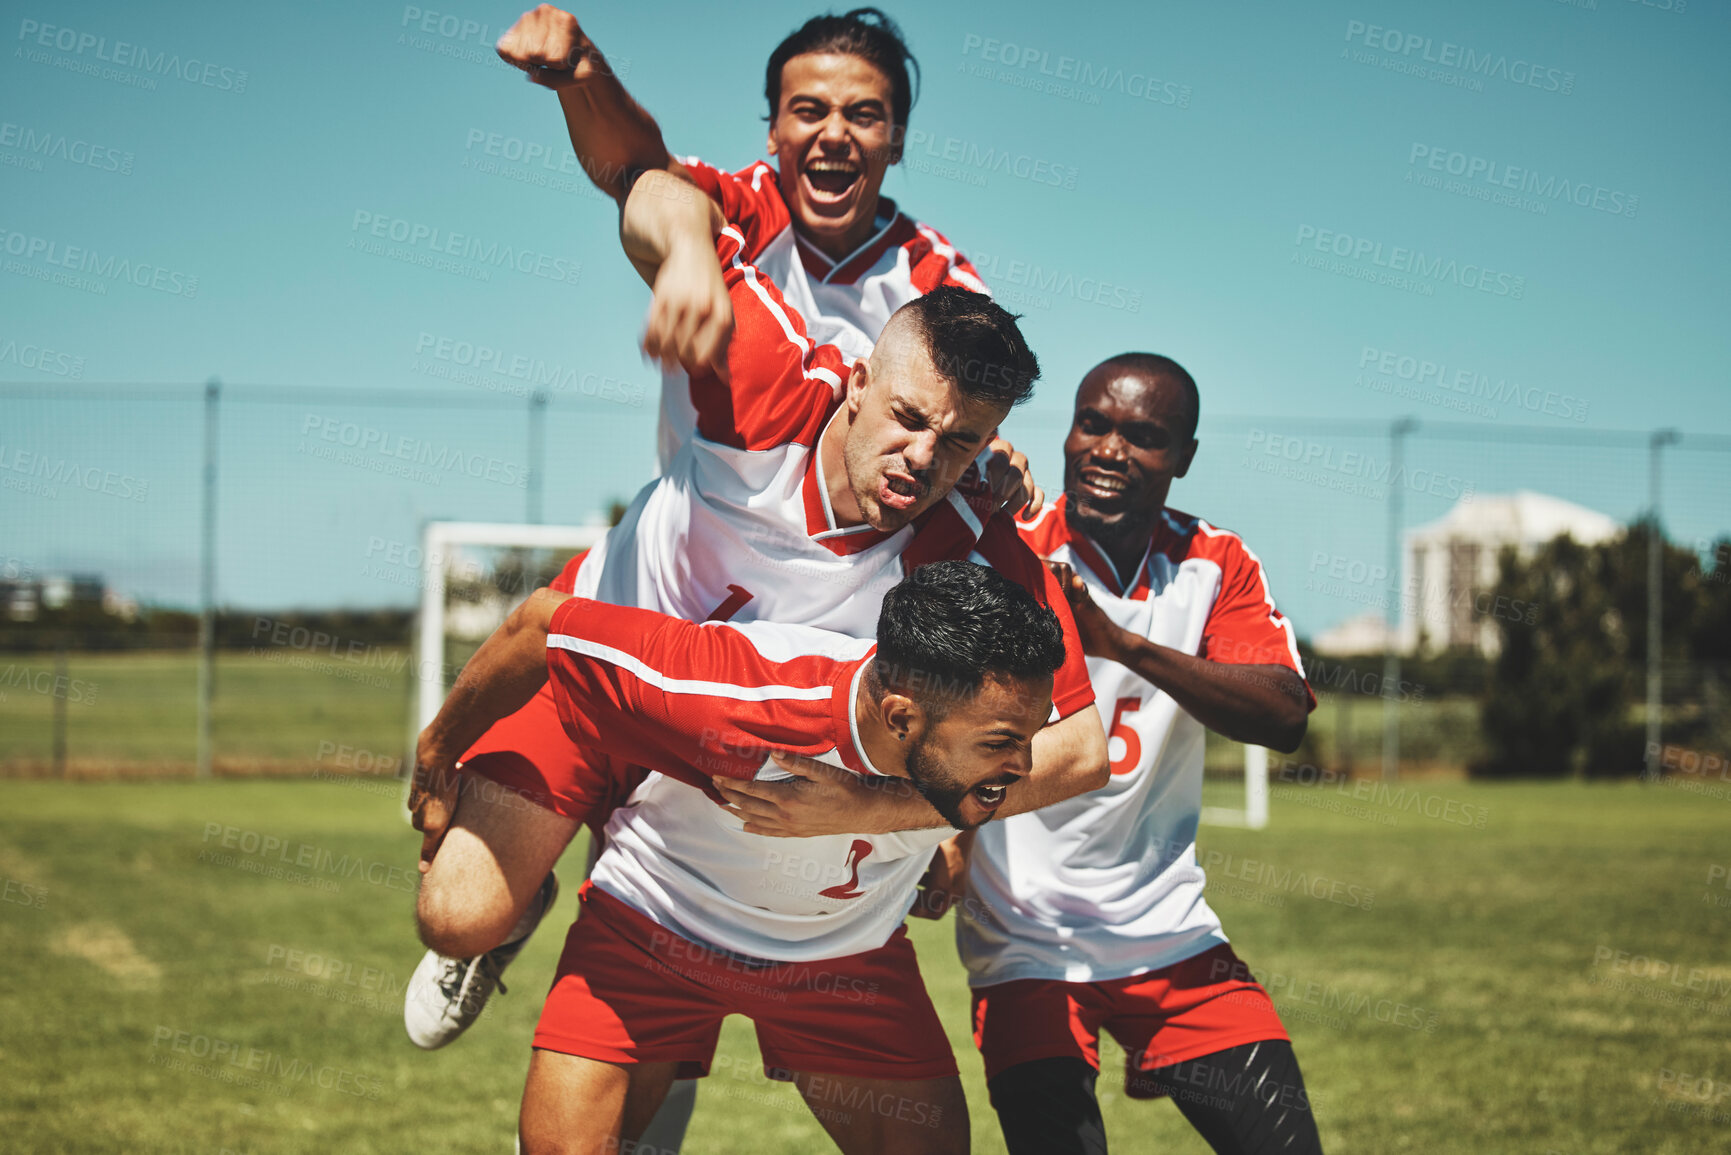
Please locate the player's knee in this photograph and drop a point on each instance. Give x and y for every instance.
(451, 922)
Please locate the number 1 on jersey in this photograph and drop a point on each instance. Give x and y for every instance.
(1123, 732)
(735, 602)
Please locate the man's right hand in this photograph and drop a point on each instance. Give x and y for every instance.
(432, 799)
(552, 48)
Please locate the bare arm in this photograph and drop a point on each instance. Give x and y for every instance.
(612, 134)
(1069, 759)
(505, 673)
(1262, 705)
(668, 230)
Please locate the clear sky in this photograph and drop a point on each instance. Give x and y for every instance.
(1522, 203)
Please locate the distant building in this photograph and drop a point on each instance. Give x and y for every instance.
(1449, 568)
(23, 598)
(1451, 562)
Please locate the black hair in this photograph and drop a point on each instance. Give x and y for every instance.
(950, 624)
(975, 344)
(1155, 367)
(863, 32)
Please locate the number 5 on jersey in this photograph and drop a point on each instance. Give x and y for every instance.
(1124, 732)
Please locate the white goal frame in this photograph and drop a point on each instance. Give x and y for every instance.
(438, 540)
(1255, 812)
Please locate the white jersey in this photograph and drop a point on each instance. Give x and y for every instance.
(1106, 885)
(740, 529)
(845, 303)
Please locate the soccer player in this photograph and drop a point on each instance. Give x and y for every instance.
(839, 92)
(1090, 915)
(685, 919)
(810, 488)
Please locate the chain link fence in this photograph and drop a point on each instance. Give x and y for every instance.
(278, 529)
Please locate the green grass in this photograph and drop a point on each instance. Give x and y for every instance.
(1486, 938)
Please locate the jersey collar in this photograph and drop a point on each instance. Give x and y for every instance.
(1097, 560)
(893, 229)
(848, 744)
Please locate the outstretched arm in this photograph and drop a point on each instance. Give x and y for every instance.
(668, 230)
(612, 134)
(1069, 759)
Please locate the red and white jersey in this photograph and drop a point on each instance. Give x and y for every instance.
(691, 702)
(1106, 885)
(739, 529)
(845, 303)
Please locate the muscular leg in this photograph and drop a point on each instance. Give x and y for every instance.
(499, 848)
(1048, 1107)
(578, 1106)
(1246, 1100)
(889, 1116)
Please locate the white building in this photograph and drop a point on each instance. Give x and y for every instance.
(1450, 566)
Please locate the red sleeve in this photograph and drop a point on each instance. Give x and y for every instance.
(934, 261)
(1244, 628)
(566, 582)
(782, 383)
(692, 701)
(750, 198)
(1004, 548)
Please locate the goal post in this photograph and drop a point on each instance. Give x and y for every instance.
(488, 568)
(1254, 813)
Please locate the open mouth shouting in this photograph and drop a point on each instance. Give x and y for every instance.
(990, 797)
(828, 181)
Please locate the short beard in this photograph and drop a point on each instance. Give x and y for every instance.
(939, 790)
(1123, 531)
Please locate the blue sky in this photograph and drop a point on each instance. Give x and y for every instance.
(1339, 213)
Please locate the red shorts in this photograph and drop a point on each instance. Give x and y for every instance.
(1206, 1003)
(630, 991)
(528, 754)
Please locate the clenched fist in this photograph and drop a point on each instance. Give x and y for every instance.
(552, 48)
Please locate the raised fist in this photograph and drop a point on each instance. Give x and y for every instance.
(552, 48)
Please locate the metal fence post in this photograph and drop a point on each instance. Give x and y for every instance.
(1655, 597)
(1397, 434)
(537, 452)
(207, 580)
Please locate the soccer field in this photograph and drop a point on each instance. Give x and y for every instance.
(1450, 962)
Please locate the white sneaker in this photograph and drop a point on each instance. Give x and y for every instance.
(445, 996)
